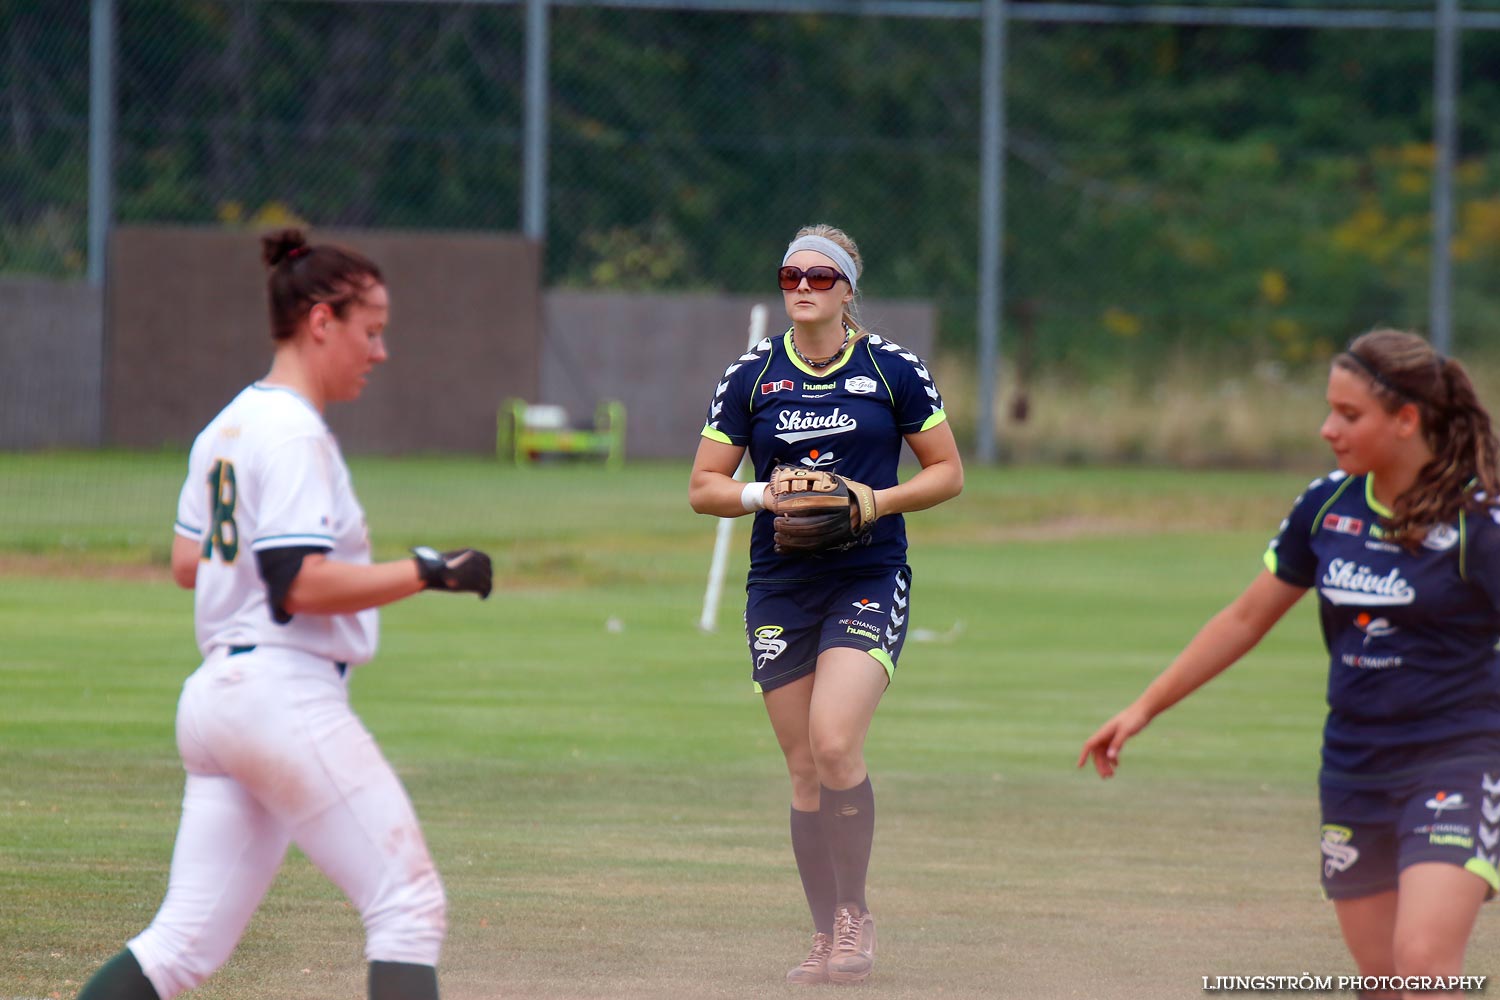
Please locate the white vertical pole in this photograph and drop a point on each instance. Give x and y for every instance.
(709, 620)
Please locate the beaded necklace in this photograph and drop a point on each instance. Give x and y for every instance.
(848, 336)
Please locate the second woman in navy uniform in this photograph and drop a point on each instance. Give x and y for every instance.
(1403, 546)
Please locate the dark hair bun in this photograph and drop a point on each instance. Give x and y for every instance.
(276, 247)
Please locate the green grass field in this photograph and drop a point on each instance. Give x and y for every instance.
(608, 807)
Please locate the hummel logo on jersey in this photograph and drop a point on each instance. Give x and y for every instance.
(795, 425)
(814, 386)
(1347, 582)
(785, 385)
(861, 384)
(1344, 525)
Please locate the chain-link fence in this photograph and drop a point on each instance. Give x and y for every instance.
(1257, 192)
(341, 114)
(44, 138)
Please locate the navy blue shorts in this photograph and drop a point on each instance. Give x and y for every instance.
(788, 627)
(1449, 812)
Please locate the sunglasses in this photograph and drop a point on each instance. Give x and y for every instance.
(819, 278)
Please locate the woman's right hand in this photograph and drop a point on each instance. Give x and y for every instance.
(1104, 746)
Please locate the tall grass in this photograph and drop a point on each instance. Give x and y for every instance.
(1185, 414)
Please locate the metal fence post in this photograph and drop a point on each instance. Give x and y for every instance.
(101, 134)
(991, 223)
(534, 171)
(1444, 141)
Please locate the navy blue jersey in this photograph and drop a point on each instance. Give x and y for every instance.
(850, 420)
(1413, 675)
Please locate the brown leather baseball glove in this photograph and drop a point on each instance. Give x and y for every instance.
(818, 511)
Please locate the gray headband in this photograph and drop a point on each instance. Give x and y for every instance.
(829, 249)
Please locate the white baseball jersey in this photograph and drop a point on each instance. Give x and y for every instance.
(266, 473)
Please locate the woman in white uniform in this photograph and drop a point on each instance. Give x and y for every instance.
(273, 542)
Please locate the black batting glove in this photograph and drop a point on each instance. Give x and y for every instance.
(457, 571)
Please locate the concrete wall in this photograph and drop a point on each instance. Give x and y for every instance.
(662, 355)
(188, 328)
(50, 359)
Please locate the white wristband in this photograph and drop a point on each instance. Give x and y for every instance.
(753, 496)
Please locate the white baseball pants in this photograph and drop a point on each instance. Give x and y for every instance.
(275, 756)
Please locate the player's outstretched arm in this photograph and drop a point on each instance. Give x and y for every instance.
(326, 586)
(1225, 638)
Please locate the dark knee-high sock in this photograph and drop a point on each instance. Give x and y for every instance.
(849, 819)
(120, 978)
(815, 865)
(402, 981)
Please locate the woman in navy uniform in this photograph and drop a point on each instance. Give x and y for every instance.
(825, 630)
(1403, 546)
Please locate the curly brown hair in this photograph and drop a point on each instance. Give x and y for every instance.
(1402, 369)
